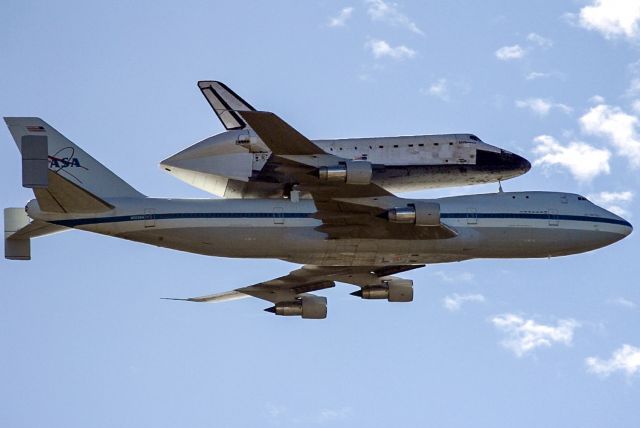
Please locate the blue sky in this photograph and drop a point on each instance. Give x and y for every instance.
(85, 339)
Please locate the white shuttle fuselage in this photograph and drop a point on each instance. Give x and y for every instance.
(234, 164)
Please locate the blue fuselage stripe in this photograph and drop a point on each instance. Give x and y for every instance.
(263, 215)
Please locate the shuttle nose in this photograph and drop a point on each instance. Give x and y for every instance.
(516, 162)
(501, 162)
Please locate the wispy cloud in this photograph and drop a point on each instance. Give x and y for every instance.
(333, 415)
(525, 335)
(541, 106)
(615, 202)
(634, 87)
(612, 197)
(454, 276)
(622, 302)
(280, 415)
(625, 359)
(389, 13)
(611, 18)
(445, 89)
(382, 49)
(583, 161)
(617, 127)
(534, 75)
(539, 40)
(455, 301)
(439, 89)
(341, 19)
(507, 53)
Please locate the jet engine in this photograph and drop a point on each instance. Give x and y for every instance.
(309, 307)
(350, 172)
(418, 213)
(393, 289)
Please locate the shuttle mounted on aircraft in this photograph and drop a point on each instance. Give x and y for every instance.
(351, 229)
(239, 164)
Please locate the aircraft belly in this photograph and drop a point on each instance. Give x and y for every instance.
(237, 242)
(537, 242)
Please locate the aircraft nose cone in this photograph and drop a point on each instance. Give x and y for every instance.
(626, 228)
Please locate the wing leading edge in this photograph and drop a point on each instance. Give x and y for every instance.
(291, 293)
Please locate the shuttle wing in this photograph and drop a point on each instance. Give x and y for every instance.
(296, 156)
(281, 138)
(348, 210)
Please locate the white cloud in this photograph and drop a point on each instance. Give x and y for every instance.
(333, 415)
(611, 197)
(616, 202)
(617, 126)
(342, 18)
(612, 18)
(596, 99)
(280, 415)
(454, 276)
(455, 301)
(541, 106)
(621, 301)
(539, 40)
(525, 335)
(381, 49)
(507, 53)
(275, 411)
(537, 75)
(625, 359)
(585, 162)
(382, 11)
(446, 89)
(439, 89)
(635, 106)
(634, 87)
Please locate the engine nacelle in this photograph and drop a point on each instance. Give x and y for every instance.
(309, 307)
(392, 289)
(418, 213)
(350, 172)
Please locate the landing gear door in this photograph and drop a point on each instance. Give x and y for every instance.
(553, 217)
(278, 215)
(149, 217)
(472, 216)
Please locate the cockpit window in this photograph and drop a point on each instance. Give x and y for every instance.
(582, 198)
(474, 138)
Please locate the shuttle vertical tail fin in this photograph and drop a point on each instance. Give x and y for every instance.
(225, 103)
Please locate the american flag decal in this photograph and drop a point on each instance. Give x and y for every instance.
(35, 128)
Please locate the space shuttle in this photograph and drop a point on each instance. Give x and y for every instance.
(238, 164)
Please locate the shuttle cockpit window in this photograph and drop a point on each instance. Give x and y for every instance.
(474, 138)
(582, 198)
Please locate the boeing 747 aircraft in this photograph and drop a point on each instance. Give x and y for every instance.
(352, 230)
(239, 164)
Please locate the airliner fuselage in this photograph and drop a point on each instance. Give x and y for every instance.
(499, 225)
